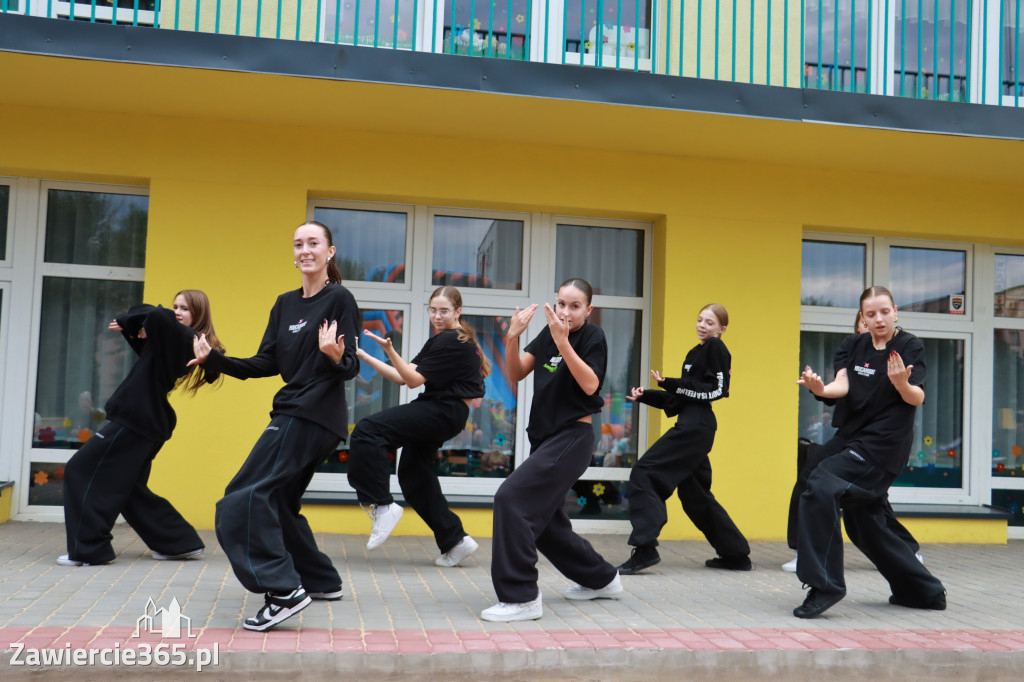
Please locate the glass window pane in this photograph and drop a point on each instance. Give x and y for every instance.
(5, 202)
(1009, 286)
(611, 259)
(81, 362)
(836, 47)
(931, 51)
(478, 252)
(936, 458)
(486, 447)
(625, 33)
(615, 436)
(1011, 44)
(817, 349)
(370, 244)
(395, 27)
(487, 29)
(369, 392)
(1008, 403)
(928, 280)
(46, 482)
(96, 228)
(832, 274)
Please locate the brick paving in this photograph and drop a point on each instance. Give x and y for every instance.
(404, 617)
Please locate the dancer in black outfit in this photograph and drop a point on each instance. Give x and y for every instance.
(810, 455)
(679, 459)
(258, 521)
(109, 474)
(529, 507)
(882, 383)
(451, 367)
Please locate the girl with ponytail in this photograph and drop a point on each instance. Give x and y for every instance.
(451, 366)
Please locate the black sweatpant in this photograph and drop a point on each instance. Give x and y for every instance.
(809, 456)
(678, 461)
(109, 475)
(267, 540)
(848, 482)
(530, 516)
(420, 428)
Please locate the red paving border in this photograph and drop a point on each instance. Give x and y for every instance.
(448, 641)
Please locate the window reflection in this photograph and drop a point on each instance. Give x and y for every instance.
(1008, 403)
(369, 392)
(370, 22)
(611, 259)
(95, 228)
(81, 362)
(1009, 286)
(482, 28)
(832, 274)
(478, 252)
(928, 280)
(624, 37)
(5, 200)
(486, 447)
(370, 244)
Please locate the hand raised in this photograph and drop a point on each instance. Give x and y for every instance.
(520, 320)
(201, 349)
(635, 394)
(334, 349)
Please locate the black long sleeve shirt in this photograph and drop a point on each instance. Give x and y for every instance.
(314, 385)
(704, 379)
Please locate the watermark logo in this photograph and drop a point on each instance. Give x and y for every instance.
(165, 623)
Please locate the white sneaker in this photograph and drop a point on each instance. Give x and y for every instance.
(920, 558)
(194, 554)
(610, 590)
(504, 612)
(385, 518)
(790, 566)
(65, 560)
(453, 556)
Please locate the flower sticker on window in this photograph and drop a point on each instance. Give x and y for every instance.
(599, 489)
(84, 435)
(47, 435)
(520, 19)
(581, 501)
(951, 452)
(40, 478)
(1016, 450)
(928, 440)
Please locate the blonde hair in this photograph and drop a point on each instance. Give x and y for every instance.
(719, 311)
(465, 333)
(202, 323)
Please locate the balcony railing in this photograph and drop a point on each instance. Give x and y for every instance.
(956, 50)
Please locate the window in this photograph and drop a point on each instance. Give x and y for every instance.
(136, 12)
(497, 260)
(910, 49)
(928, 280)
(80, 361)
(371, 245)
(1008, 403)
(477, 252)
(5, 203)
(614, 34)
(480, 28)
(1011, 35)
(1009, 286)
(832, 274)
(370, 22)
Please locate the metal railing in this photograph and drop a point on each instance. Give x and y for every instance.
(957, 50)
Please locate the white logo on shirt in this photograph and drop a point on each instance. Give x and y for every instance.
(296, 328)
(864, 371)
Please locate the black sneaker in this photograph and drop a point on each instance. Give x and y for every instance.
(641, 558)
(329, 595)
(817, 603)
(936, 603)
(730, 563)
(278, 607)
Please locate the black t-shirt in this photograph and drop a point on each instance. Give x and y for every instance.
(706, 371)
(557, 398)
(314, 385)
(140, 402)
(451, 368)
(877, 423)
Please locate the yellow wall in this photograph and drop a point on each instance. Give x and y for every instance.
(225, 195)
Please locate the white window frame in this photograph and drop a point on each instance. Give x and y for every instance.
(35, 222)
(539, 241)
(923, 325)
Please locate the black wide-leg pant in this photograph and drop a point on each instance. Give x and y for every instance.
(848, 482)
(530, 516)
(678, 461)
(809, 456)
(258, 521)
(107, 476)
(419, 428)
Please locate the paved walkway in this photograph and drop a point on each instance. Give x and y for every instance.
(403, 617)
